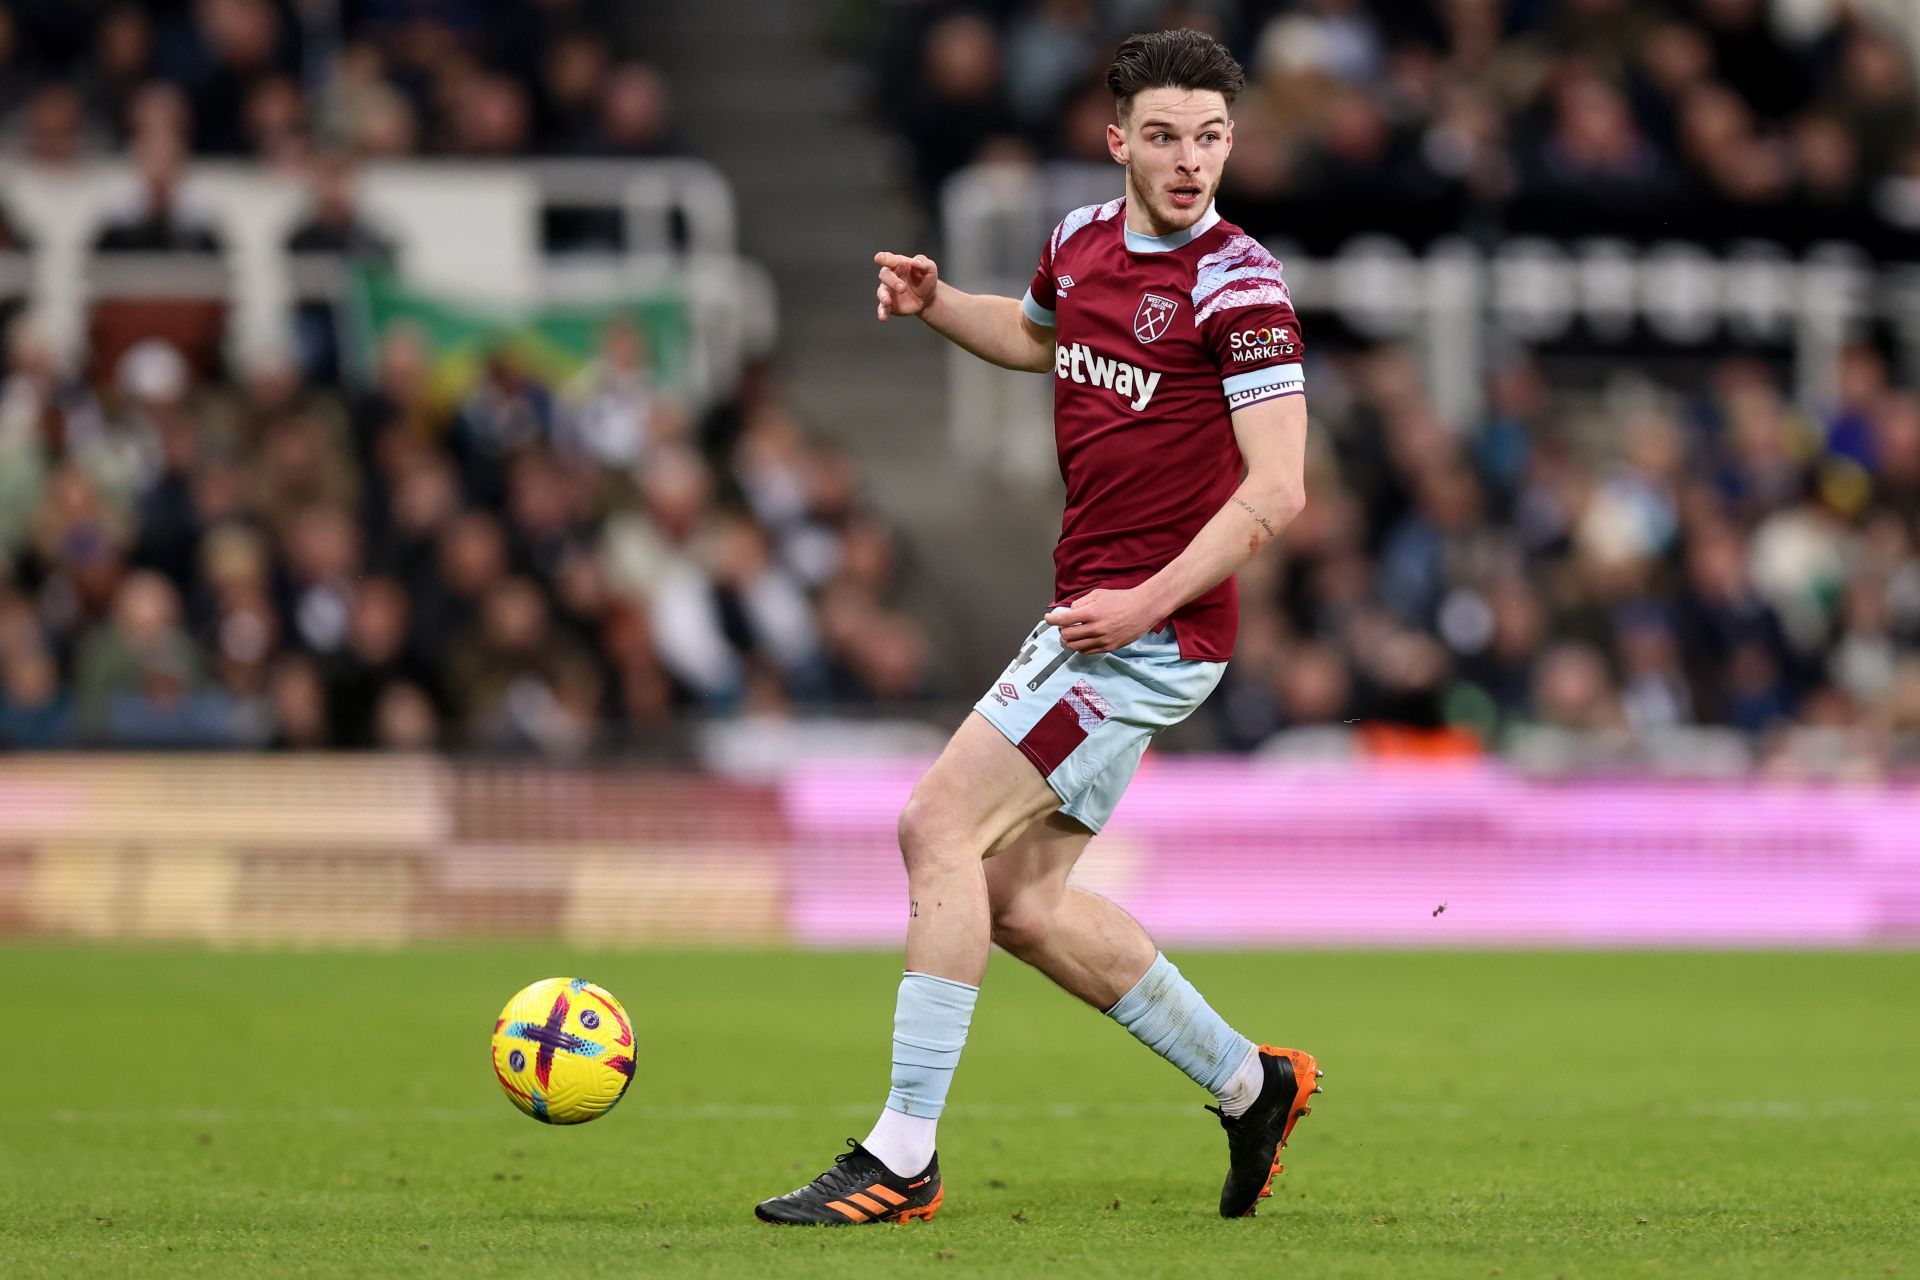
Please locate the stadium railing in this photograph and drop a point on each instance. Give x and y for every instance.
(471, 231)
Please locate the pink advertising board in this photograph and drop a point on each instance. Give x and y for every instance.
(1231, 852)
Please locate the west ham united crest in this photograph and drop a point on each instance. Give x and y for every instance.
(1153, 317)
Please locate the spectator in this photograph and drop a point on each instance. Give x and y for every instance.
(78, 554)
(574, 75)
(471, 561)
(1874, 94)
(610, 414)
(52, 129)
(1607, 117)
(489, 116)
(36, 712)
(135, 676)
(1572, 690)
(719, 615)
(634, 114)
(376, 656)
(550, 512)
(277, 128)
(321, 546)
(16, 74)
(506, 413)
(298, 702)
(1595, 170)
(32, 428)
(158, 220)
(122, 449)
(1048, 49)
(123, 60)
(238, 46)
(1654, 694)
(405, 720)
(516, 683)
(957, 105)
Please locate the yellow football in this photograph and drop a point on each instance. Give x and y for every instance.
(563, 1050)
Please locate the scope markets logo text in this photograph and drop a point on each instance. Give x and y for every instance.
(1261, 344)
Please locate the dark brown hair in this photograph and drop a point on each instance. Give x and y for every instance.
(1184, 59)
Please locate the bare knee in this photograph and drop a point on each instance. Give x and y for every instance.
(931, 835)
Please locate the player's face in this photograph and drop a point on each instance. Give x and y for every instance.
(1174, 143)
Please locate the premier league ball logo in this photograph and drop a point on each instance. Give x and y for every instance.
(1153, 317)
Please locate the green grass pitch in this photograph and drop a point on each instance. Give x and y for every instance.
(1516, 1114)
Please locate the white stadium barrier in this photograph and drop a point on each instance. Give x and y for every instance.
(469, 231)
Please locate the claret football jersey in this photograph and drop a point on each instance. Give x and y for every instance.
(1157, 341)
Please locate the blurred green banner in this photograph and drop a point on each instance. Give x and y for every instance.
(550, 342)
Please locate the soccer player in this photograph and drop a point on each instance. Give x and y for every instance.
(1181, 427)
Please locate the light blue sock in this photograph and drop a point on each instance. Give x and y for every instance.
(929, 1030)
(1167, 1015)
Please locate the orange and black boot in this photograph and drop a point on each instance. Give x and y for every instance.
(1254, 1139)
(857, 1189)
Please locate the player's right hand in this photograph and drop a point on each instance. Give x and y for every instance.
(906, 284)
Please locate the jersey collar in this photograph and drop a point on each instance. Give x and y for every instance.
(1140, 243)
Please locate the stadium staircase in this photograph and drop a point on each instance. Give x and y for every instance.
(759, 94)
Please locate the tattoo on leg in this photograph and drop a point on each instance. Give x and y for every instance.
(1256, 515)
(913, 908)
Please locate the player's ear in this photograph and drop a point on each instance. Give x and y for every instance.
(1117, 143)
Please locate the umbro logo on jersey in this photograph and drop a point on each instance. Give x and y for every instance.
(1078, 363)
(1154, 316)
(1066, 282)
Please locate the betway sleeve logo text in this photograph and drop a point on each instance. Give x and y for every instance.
(1078, 363)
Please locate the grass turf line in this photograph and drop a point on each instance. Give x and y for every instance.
(1576, 1114)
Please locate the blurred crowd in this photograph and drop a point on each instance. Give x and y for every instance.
(531, 566)
(568, 564)
(272, 557)
(272, 80)
(1621, 566)
(1707, 120)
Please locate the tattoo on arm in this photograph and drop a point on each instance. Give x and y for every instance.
(1264, 523)
(913, 907)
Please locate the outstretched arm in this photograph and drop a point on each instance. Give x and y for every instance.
(1273, 440)
(993, 328)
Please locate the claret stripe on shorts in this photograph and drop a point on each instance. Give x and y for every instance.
(1066, 724)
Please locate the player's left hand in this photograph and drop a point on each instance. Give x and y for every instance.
(1102, 621)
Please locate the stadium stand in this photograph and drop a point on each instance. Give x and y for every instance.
(1615, 430)
(211, 539)
(1564, 527)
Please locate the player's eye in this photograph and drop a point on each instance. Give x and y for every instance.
(589, 1019)
(1162, 137)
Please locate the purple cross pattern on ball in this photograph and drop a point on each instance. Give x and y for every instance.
(550, 1038)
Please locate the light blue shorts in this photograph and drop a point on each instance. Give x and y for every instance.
(1086, 719)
